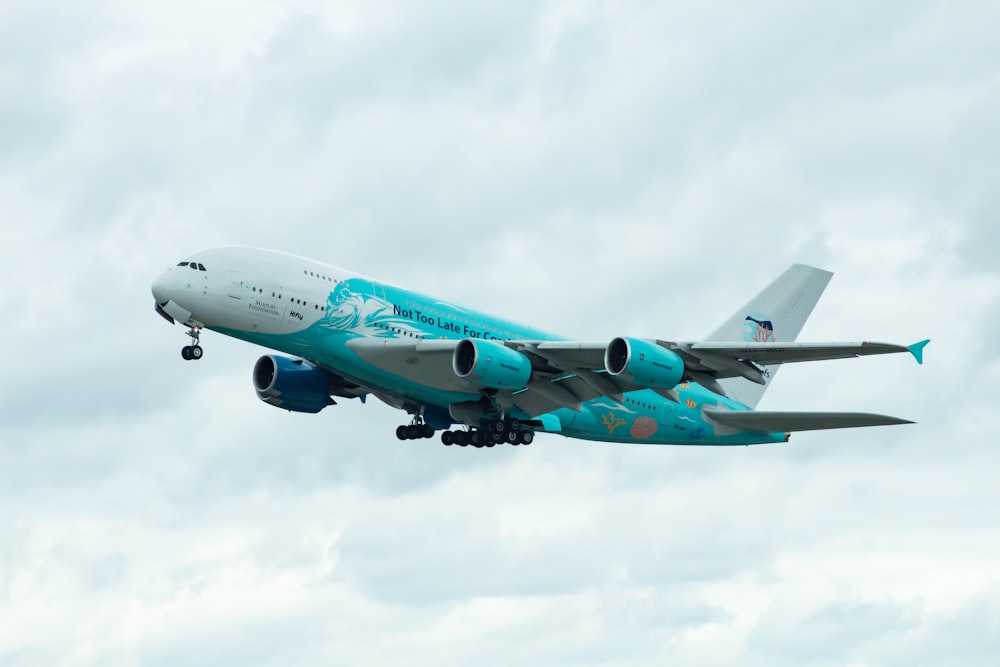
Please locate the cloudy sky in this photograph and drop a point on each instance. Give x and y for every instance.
(597, 169)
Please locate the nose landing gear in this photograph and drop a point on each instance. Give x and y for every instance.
(193, 352)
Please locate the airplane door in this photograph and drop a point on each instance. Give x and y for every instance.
(665, 412)
(237, 284)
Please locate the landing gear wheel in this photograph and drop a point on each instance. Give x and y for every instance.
(527, 437)
(461, 438)
(512, 437)
(475, 439)
(196, 352)
(515, 425)
(401, 432)
(447, 438)
(428, 431)
(186, 353)
(414, 431)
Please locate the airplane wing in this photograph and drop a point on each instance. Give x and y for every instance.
(565, 374)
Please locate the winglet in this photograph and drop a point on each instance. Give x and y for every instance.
(917, 350)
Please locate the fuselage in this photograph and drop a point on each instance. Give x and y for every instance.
(312, 310)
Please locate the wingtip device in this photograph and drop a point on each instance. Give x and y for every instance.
(917, 350)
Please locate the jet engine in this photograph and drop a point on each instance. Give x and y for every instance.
(291, 384)
(644, 363)
(488, 364)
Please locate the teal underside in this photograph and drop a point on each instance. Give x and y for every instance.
(361, 308)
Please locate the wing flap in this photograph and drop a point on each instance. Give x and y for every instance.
(772, 422)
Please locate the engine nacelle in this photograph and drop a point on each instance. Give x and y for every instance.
(488, 364)
(644, 363)
(291, 384)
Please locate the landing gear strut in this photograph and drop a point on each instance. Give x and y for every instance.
(193, 352)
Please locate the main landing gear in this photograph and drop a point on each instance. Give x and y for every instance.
(414, 431)
(491, 433)
(497, 432)
(193, 352)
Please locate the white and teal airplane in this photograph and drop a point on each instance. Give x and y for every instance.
(484, 380)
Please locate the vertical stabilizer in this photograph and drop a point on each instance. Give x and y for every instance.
(775, 315)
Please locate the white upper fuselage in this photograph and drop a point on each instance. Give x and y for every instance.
(263, 291)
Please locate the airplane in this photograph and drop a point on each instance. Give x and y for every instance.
(483, 380)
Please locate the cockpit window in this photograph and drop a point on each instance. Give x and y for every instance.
(201, 267)
(182, 264)
(194, 266)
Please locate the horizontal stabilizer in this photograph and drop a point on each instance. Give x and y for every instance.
(773, 422)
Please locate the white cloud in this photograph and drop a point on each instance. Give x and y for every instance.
(594, 169)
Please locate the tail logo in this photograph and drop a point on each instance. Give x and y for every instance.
(757, 328)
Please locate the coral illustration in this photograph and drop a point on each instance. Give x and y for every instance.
(612, 422)
(763, 335)
(643, 427)
(758, 329)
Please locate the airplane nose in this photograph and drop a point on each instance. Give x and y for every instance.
(159, 289)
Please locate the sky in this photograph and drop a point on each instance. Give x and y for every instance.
(595, 169)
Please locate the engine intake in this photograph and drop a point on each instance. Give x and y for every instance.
(291, 384)
(644, 363)
(493, 365)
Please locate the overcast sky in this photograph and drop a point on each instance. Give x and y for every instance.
(597, 169)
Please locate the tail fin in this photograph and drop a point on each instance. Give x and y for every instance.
(775, 315)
